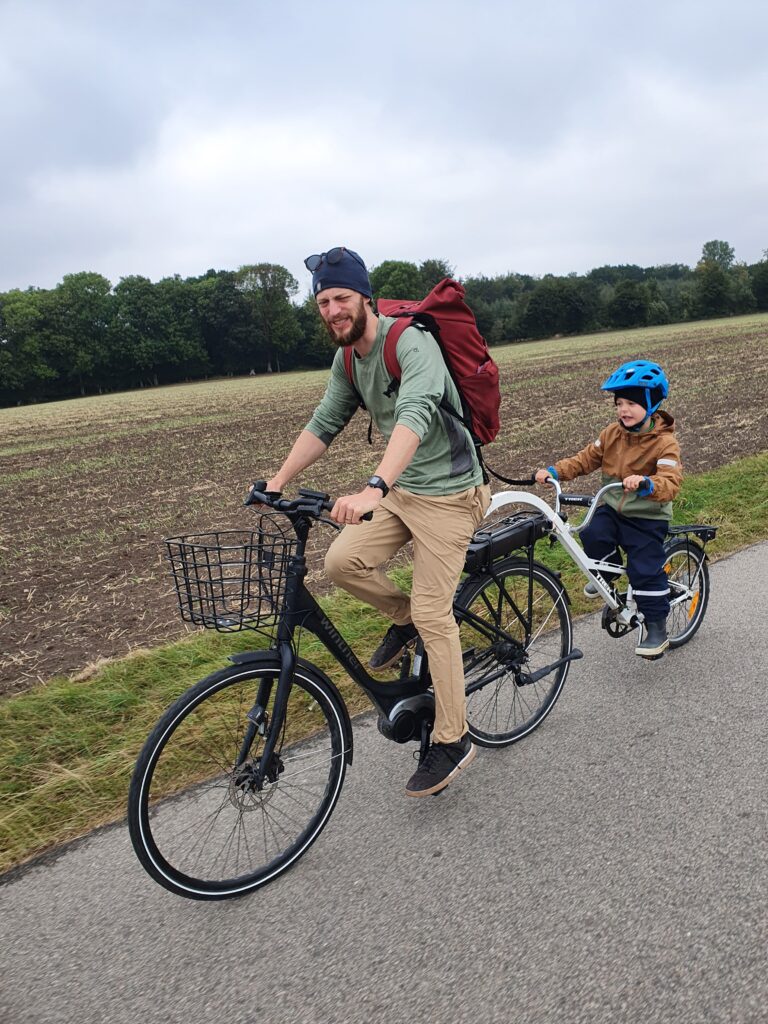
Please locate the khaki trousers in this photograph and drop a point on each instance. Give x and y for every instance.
(440, 528)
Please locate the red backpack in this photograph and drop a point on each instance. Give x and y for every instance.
(448, 318)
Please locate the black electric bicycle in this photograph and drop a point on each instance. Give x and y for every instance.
(241, 774)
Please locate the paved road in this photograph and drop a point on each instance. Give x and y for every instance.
(612, 867)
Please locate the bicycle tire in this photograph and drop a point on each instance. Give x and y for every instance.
(197, 825)
(686, 567)
(501, 707)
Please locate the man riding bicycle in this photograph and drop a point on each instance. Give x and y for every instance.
(428, 489)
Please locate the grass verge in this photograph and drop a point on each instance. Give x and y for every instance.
(67, 748)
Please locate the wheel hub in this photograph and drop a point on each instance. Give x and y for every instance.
(248, 789)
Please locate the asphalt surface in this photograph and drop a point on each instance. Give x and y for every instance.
(611, 867)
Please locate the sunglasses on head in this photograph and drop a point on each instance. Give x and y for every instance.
(313, 263)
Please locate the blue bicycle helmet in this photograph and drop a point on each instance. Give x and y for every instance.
(643, 378)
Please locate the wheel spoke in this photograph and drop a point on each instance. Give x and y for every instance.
(686, 570)
(203, 826)
(521, 631)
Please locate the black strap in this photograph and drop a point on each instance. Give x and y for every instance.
(529, 482)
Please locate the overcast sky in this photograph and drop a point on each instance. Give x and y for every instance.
(546, 136)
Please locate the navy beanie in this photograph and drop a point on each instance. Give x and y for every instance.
(348, 272)
(640, 396)
(637, 395)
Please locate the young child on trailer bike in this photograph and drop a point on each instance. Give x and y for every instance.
(641, 451)
(428, 489)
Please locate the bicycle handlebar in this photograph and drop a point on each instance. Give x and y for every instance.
(311, 503)
(590, 501)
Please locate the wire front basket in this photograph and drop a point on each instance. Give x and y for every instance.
(232, 579)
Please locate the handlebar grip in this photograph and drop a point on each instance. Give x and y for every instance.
(259, 491)
(328, 505)
(577, 499)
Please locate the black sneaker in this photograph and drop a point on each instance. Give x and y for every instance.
(396, 639)
(442, 762)
(654, 641)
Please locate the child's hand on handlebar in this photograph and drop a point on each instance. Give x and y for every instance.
(542, 475)
(631, 483)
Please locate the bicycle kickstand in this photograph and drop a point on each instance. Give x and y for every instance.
(426, 732)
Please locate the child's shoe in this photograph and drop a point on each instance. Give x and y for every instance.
(654, 641)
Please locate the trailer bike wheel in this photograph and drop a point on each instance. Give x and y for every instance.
(518, 625)
(688, 574)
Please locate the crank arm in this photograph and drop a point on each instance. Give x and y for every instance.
(534, 677)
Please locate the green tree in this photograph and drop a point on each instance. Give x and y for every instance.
(155, 336)
(759, 275)
(268, 288)
(491, 289)
(613, 274)
(225, 322)
(630, 305)
(711, 290)
(182, 339)
(397, 279)
(677, 296)
(24, 370)
(670, 272)
(432, 272)
(559, 306)
(315, 348)
(503, 315)
(742, 298)
(718, 252)
(76, 317)
(137, 335)
(658, 310)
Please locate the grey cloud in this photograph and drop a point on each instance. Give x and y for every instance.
(562, 135)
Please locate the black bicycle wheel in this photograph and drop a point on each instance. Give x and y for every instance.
(688, 575)
(522, 626)
(199, 823)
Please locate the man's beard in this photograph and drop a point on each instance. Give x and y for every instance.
(354, 332)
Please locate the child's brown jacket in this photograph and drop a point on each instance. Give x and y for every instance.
(654, 453)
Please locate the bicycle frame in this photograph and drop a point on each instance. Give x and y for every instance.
(625, 611)
(301, 611)
(565, 533)
(407, 693)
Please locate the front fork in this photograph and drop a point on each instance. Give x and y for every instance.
(259, 722)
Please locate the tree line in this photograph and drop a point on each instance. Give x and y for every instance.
(87, 336)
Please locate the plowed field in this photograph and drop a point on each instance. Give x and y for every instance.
(89, 488)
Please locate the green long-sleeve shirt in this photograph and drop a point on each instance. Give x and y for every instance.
(445, 461)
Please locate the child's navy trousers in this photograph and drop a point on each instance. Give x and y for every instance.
(643, 542)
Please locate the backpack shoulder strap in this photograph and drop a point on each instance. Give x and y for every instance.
(394, 334)
(349, 355)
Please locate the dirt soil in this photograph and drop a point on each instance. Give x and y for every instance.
(89, 488)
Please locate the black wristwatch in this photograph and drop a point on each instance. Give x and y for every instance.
(376, 481)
